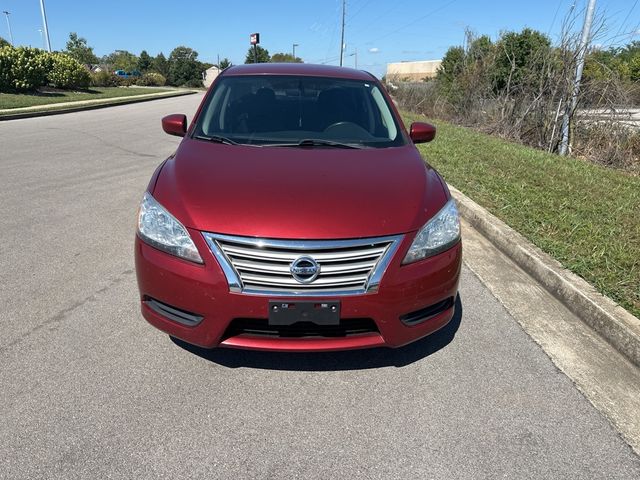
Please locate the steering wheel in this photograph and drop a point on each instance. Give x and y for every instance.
(348, 129)
(339, 125)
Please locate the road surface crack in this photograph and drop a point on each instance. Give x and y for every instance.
(64, 313)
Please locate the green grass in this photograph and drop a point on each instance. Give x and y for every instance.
(584, 215)
(15, 100)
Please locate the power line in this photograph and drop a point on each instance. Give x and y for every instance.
(627, 17)
(555, 16)
(362, 7)
(628, 34)
(413, 22)
(383, 15)
(333, 35)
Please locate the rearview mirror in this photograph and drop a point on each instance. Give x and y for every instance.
(175, 124)
(422, 132)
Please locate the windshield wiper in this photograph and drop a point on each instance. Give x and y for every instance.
(316, 142)
(216, 139)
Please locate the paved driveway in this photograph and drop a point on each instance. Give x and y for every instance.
(89, 390)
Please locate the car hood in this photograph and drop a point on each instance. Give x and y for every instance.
(302, 193)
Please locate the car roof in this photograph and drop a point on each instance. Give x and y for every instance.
(306, 69)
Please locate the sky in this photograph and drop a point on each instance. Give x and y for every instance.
(381, 31)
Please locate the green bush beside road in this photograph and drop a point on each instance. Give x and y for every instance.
(65, 72)
(584, 215)
(104, 79)
(25, 69)
(152, 79)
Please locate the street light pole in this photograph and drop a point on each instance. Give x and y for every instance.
(6, 14)
(354, 54)
(44, 24)
(294, 50)
(571, 105)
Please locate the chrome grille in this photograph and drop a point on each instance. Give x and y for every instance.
(263, 266)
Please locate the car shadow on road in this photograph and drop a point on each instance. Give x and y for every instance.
(333, 361)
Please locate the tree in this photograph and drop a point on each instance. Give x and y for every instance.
(452, 65)
(224, 63)
(161, 65)
(184, 67)
(77, 48)
(599, 64)
(4, 43)
(480, 49)
(121, 60)
(285, 58)
(262, 54)
(520, 59)
(144, 62)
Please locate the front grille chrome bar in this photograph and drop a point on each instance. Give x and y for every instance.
(263, 266)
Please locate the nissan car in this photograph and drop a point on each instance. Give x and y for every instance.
(297, 215)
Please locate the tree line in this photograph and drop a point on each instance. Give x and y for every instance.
(519, 86)
(182, 68)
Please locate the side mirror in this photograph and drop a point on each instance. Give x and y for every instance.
(422, 132)
(175, 124)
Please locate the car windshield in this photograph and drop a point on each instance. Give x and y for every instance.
(304, 111)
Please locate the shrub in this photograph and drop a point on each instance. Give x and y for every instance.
(105, 79)
(193, 83)
(151, 79)
(22, 69)
(6, 64)
(127, 82)
(67, 72)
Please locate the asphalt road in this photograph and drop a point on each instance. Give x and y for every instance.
(89, 390)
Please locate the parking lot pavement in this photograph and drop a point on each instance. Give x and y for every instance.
(89, 390)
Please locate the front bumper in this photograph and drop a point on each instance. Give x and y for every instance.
(203, 291)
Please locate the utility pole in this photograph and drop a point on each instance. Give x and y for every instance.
(44, 24)
(344, 9)
(582, 51)
(6, 14)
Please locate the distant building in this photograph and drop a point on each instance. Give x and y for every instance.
(412, 71)
(210, 75)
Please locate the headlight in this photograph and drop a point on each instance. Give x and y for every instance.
(440, 233)
(159, 228)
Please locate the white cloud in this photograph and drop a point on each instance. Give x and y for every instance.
(374, 50)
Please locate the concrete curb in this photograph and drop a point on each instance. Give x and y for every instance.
(610, 320)
(94, 104)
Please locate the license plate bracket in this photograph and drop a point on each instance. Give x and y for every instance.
(284, 313)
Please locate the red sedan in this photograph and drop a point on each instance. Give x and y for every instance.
(297, 215)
